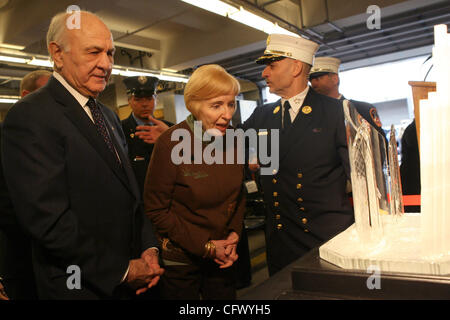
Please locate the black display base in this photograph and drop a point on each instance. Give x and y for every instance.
(311, 277)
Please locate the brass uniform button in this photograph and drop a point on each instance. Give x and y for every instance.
(299, 200)
(274, 181)
(278, 217)
(306, 230)
(304, 220)
(302, 208)
(300, 175)
(275, 194)
(276, 204)
(279, 226)
(299, 186)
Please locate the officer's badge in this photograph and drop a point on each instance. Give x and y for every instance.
(276, 109)
(306, 109)
(142, 79)
(374, 115)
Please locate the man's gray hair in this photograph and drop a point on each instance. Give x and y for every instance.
(56, 31)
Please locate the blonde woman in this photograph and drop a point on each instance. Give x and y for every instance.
(197, 208)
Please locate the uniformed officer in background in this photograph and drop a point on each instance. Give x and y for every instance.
(306, 200)
(141, 91)
(324, 78)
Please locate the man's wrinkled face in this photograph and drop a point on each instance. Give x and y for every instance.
(87, 62)
(142, 106)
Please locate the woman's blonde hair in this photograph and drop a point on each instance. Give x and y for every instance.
(207, 82)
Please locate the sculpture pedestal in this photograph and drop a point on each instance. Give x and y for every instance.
(400, 250)
(315, 278)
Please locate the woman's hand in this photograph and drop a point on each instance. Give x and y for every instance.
(226, 250)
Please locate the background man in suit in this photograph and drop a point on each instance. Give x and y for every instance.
(141, 92)
(306, 202)
(70, 180)
(324, 78)
(15, 263)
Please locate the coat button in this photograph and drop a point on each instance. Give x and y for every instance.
(299, 186)
(302, 209)
(276, 204)
(279, 226)
(306, 230)
(304, 220)
(274, 181)
(275, 194)
(300, 175)
(278, 217)
(299, 200)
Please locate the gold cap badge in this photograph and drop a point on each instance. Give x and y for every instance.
(306, 109)
(276, 109)
(142, 79)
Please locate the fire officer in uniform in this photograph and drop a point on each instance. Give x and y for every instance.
(141, 92)
(306, 200)
(324, 79)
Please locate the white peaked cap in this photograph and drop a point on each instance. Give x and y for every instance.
(281, 46)
(326, 65)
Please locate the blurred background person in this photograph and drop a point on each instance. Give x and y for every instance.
(141, 91)
(16, 266)
(198, 209)
(33, 81)
(410, 166)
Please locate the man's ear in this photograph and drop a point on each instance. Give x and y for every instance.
(297, 68)
(56, 53)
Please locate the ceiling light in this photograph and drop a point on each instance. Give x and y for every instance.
(13, 59)
(11, 46)
(215, 6)
(41, 62)
(240, 15)
(9, 99)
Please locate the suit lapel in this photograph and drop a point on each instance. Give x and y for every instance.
(84, 124)
(301, 125)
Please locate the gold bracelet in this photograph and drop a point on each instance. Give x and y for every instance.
(210, 250)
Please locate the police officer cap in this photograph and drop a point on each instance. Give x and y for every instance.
(280, 46)
(141, 86)
(324, 65)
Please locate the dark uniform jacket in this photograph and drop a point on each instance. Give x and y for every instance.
(190, 204)
(139, 152)
(306, 202)
(80, 206)
(370, 114)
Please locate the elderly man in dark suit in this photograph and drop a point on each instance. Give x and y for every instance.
(306, 200)
(65, 164)
(141, 91)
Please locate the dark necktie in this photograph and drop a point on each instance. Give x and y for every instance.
(286, 116)
(100, 125)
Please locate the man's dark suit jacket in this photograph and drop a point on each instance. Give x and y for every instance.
(78, 204)
(139, 152)
(306, 202)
